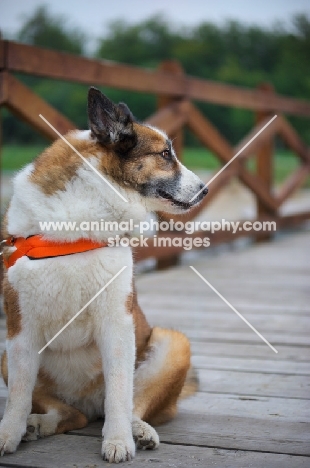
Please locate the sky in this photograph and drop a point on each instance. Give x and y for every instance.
(93, 16)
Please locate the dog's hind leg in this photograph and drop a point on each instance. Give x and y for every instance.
(159, 380)
(51, 416)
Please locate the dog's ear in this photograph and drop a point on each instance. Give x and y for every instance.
(111, 124)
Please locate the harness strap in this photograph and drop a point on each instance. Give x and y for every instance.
(35, 248)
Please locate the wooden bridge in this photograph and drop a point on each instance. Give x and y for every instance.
(252, 408)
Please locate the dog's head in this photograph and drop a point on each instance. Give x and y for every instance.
(141, 158)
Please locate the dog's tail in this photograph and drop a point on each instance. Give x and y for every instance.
(191, 384)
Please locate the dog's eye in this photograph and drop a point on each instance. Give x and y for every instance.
(166, 154)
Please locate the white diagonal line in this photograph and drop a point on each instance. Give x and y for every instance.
(235, 310)
(83, 308)
(236, 155)
(84, 159)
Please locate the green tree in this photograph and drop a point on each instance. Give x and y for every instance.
(45, 30)
(145, 43)
(230, 53)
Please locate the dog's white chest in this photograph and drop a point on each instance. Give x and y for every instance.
(53, 291)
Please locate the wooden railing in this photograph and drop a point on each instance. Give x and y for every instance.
(176, 92)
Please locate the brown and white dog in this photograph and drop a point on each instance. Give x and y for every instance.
(109, 362)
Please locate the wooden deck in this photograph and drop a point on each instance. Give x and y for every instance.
(252, 409)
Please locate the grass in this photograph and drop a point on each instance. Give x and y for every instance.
(14, 157)
(285, 162)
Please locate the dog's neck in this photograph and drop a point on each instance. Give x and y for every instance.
(87, 199)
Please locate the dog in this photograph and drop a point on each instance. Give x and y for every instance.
(109, 362)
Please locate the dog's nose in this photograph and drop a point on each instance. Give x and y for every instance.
(205, 189)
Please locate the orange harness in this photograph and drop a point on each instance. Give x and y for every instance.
(35, 247)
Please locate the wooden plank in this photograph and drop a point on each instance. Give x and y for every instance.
(208, 420)
(218, 93)
(64, 66)
(254, 183)
(226, 321)
(292, 139)
(27, 105)
(266, 408)
(244, 293)
(245, 351)
(201, 331)
(171, 117)
(220, 317)
(285, 255)
(211, 138)
(260, 141)
(224, 318)
(205, 304)
(238, 433)
(269, 365)
(156, 249)
(78, 451)
(254, 383)
(292, 183)
(229, 421)
(293, 220)
(235, 336)
(244, 290)
(211, 306)
(192, 307)
(208, 134)
(59, 65)
(259, 292)
(271, 273)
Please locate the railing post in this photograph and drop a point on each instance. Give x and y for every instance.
(171, 66)
(265, 165)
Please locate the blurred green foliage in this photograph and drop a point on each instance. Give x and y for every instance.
(231, 53)
(15, 156)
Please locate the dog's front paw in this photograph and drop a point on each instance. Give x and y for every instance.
(117, 450)
(8, 442)
(144, 435)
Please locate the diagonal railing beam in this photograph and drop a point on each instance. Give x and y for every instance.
(170, 118)
(292, 139)
(21, 101)
(293, 183)
(256, 144)
(211, 138)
